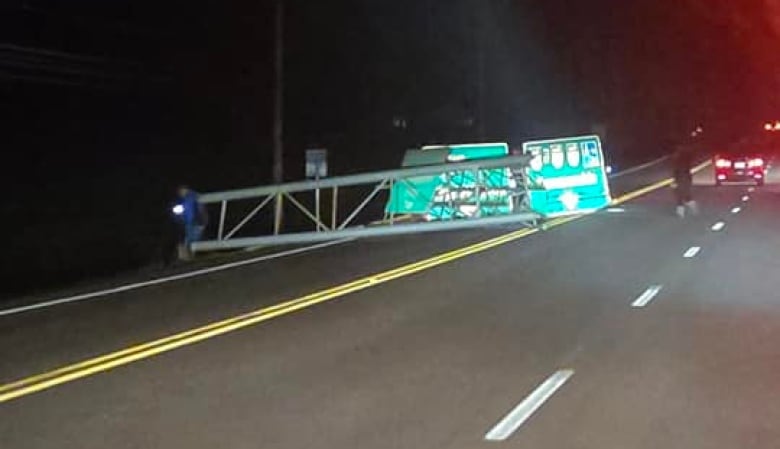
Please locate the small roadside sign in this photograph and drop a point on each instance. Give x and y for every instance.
(316, 163)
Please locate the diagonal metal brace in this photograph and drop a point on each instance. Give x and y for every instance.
(306, 212)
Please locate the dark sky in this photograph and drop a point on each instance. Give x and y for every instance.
(354, 65)
(97, 84)
(110, 104)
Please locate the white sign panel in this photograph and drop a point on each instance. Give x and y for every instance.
(317, 163)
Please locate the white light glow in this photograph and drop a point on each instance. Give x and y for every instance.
(570, 200)
(178, 209)
(564, 182)
(536, 163)
(573, 155)
(468, 210)
(557, 157)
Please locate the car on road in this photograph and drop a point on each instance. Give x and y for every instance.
(740, 166)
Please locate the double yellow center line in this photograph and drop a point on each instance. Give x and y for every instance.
(132, 354)
(115, 359)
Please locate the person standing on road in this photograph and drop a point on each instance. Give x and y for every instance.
(193, 218)
(683, 182)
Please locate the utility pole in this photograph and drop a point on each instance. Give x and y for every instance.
(481, 41)
(278, 127)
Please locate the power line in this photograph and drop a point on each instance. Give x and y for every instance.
(32, 64)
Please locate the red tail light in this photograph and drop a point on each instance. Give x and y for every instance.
(723, 163)
(757, 162)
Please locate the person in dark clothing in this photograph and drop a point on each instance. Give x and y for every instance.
(192, 216)
(683, 182)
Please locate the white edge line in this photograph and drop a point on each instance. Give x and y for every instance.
(692, 252)
(512, 421)
(645, 298)
(191, 274)
(745, 199)
(736, 210)
(163, 280)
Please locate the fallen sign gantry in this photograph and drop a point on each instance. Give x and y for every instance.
(262, 208)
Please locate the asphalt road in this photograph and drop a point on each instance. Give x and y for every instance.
(439, 358)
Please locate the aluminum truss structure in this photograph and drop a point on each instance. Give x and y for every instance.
(330, 221)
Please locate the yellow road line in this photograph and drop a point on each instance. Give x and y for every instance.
(653, 187)
(132, 354)
(643, 191)
(109, 361)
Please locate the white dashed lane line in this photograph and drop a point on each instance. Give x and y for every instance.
(692, 252)
(520, 414)
(648, 295)
(719, 226)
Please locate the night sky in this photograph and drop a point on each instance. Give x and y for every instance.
(111, 104)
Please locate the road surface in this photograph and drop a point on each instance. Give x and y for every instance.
(623, 329)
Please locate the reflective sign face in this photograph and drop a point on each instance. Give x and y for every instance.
(591, 153)
(452, 194)
(573, 155)
(557, 156)
(567, 175)
(536, 161)
(316, 163)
